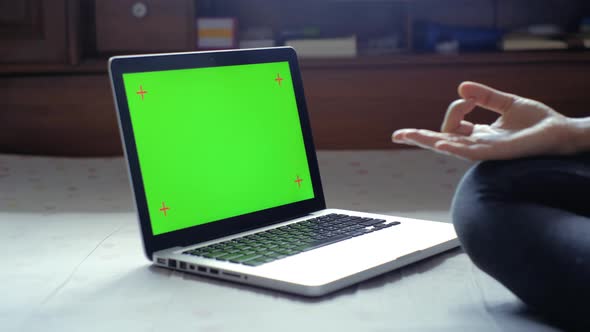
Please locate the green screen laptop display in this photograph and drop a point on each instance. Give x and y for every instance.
(217, 142)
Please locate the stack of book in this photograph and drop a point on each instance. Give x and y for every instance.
(528, 42)
(535, 37)
(345, 47)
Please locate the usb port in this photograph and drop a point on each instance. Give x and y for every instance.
(183, 265)
(214, 271)
(161, 261)
(201, 269)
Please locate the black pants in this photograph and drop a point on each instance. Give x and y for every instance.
(526, 222)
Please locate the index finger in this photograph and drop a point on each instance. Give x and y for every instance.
(487, 97)
(455, 115)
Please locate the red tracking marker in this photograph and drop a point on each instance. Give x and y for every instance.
(141, 92)
(298, 181)
(164, 209)
(279, 79)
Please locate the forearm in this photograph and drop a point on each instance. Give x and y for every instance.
(581, 133)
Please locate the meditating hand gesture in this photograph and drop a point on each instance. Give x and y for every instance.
(525, 128)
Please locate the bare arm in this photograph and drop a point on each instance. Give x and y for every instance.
(525, 127)
(581, 133)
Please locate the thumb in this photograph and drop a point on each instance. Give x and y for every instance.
(487, 97)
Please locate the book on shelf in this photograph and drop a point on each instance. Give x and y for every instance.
(579, 40)
(256, 43)
(528, 42)
(343, 47)
(216, 32)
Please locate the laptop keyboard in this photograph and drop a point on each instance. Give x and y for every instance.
(267, 246)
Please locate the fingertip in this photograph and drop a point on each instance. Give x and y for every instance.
(413, 134)
(399, 136)
(461, 88)
(463, 102)
(472, 90)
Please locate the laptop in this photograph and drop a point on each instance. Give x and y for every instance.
(226, 180)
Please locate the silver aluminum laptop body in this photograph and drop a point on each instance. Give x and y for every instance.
(311, 273)
(332, 267)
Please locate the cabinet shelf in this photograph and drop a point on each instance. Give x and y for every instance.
(454, 59)
(99, 65)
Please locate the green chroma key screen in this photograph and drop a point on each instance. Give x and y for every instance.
(217, 142)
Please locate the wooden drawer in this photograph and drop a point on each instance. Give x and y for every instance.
(36, 31)
(144, 25)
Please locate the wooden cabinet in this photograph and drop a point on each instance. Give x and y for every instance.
(51, 104)
(141, 26)
(58, 114)
(357, 104)
(38, 31)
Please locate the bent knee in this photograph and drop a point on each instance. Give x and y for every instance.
(512, 240)
(481, 210)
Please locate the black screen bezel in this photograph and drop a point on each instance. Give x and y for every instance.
(196, 234)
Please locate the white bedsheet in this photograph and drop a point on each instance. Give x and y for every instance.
(72, 259)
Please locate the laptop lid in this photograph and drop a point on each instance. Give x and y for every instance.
(217, 142)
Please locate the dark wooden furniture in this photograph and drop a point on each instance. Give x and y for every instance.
(55, 96)
(131, 25)
(39, 31)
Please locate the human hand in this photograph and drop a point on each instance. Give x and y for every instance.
(525, 128)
